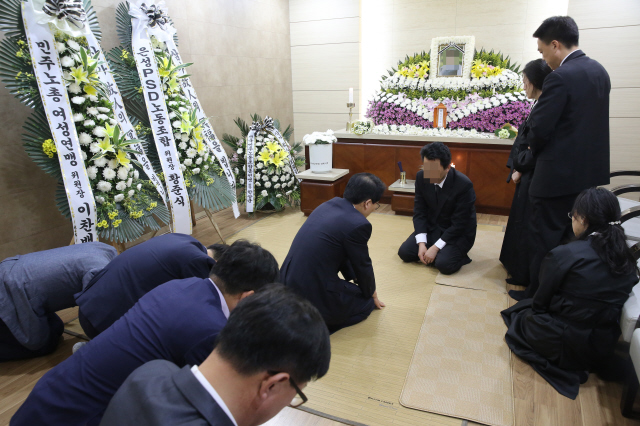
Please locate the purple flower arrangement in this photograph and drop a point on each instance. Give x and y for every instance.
(491, 119)
(389, 113)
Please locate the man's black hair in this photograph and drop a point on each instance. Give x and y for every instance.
(362, 187)
(243, 267)
(217, 250)
(277, 330)
(536, 71)
(561, 28)
(437, 151)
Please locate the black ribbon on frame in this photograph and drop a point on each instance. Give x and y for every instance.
(157, 15)
(72, 10)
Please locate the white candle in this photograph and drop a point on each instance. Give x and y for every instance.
(351, 95)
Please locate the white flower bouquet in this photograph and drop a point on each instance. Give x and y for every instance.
(320, 138)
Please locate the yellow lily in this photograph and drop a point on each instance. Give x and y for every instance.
(185, 123)
(109, 129)
(121, 156)
(197, 133)
(265, 156)
(272, 146)
(173, 84)
(163, 69)
(200, 146)
(90, 90)
(79, 75)
(422, 72)
(105, 145)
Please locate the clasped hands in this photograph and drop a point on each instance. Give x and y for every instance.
(427, 255)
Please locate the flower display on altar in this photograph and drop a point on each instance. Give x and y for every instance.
(490, 98)
(274, 180)
(125, 200)
(361, 127)
(320, 138)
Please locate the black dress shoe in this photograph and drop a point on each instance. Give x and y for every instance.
(517, 295)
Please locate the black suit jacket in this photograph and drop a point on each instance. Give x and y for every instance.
(333, 239)
(140, 269)
(452, 217)
(569, 133)
(521, 158)
(160, 393)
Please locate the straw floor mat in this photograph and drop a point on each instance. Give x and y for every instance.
(485, 272)
(461, 366)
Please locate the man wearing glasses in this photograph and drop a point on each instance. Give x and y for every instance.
(274, 343)
(444, 215)
(334, 239)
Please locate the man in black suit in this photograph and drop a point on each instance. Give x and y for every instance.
(569, 137)
(140, 269)
(274, 343)
(334, 239)
(444, 215)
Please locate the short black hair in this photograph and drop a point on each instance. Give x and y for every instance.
(275, 329)
(244, 266)
(362, 187)
(536, 71)
(437, 151)
(561, 28)
(217, 250)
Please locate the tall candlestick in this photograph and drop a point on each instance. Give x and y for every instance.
(351, 95)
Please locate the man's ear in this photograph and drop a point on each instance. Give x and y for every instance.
(246, 294)
(271, 384)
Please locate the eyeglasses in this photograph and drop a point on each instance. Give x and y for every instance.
(570, 215)
(300, 397)
(377, 206)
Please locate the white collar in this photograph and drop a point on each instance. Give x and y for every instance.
(441, 184)
(565, 58)
(205, 384)
(223, 303)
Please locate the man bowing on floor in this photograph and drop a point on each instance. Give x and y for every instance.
(444, 215)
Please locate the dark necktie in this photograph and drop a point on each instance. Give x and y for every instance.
(438, 189)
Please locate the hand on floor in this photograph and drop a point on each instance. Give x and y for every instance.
(379, 304)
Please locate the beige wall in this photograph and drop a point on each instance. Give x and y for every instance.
(324, 61)
(611, 36)
(241, 54)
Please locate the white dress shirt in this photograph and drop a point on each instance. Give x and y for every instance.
(565, 58)
(205, 384)
(422, 238)
(223, 303)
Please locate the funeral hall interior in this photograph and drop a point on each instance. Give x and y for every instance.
(483, 271)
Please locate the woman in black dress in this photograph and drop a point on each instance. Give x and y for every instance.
(570, 327)
(514, 253)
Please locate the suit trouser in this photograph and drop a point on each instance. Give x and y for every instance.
(359, 307)
(448, 261)
(549, 226)
(11, 349)
(86, 325)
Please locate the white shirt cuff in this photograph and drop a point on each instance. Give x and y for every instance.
(440, 244)
(421, 238)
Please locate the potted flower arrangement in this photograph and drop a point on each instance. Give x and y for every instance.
(274, 181)
(320, 150)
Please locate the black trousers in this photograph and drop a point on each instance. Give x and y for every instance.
(11, 349)
(87, 327)
(448, 261)
(549, 226)
(359, 308)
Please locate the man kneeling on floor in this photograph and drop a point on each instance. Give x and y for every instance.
(274, 343)
(177, 321)
(444, 215)
(334, 239)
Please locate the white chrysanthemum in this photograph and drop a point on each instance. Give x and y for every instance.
(191, 153)
(100, 199)
(276, 186)
(288, 192)
(264, 193)
(100, 131)
(131, 192)
(78, 117)
(129, 182)
(257, 176)
(241, 181)
(240, 151)
(60, 47)
(195, 171)
(118, 198)
(265, 178)
(182, 109)
(121, 186)
(188, 162)
(85, 139)
(172, 103)
(236, 170)
(109, 173)
(278, 195)
(123, 173)
(72, 44)
(93, 98)
(136, 174)
(139, 186)
(275, 178)
(104, 186)
(89, 123)
(206, 167)
(172, 115)
(179, 154)
(192, 142)
(103, 109)
(78, 100)
(184, 137)
(258, 183)
(92, 111)
(113, 122)
(74, 88)
(102, 117)
(183, 167)
(84, 155)
(176, 124)
(267, 184)
(113, 163)
(182, 145)
(199, 160)
(100, 162)
(259, 166)
(92, 172)
(67, 61)
(284, 177)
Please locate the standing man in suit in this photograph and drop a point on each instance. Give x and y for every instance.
(334, 239)
(177, 321)
(444, 215)
(274, 343)
(140, 269)
(36, 285)
(569, 138)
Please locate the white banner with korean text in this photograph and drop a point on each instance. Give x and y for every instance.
(55, 100)
(160, 125)
(120, 113)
